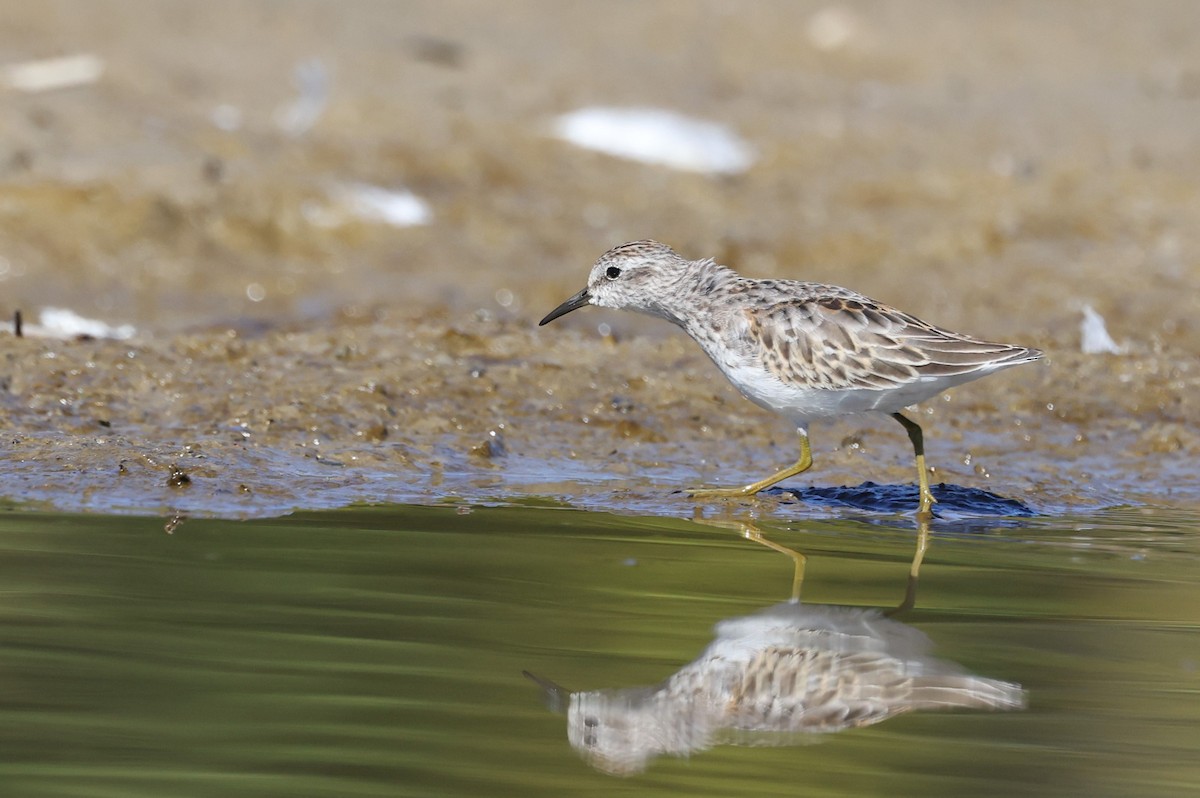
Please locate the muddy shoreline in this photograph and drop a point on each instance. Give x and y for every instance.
(407, 409)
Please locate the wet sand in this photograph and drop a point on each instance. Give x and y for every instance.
(989, 168)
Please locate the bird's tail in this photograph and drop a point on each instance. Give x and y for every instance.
(966, 692)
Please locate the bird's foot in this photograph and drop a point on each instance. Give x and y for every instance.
(925, 508)
(721, 493)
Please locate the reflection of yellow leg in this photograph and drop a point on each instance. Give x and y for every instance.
(914, 570)
(800, 466)
(925, 509)
(798, 559)
(751, 532)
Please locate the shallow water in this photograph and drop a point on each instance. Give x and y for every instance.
(379, 651)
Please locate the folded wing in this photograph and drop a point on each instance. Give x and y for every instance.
(851, 342)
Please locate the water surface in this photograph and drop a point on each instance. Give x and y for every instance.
(379, 651)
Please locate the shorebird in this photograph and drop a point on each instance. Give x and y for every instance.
(807, 351)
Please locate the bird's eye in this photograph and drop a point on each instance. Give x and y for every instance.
(590, 739)
(612, 272)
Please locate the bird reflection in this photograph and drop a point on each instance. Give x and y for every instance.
(776, 677)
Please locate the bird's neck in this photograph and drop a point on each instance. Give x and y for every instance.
(693, 288)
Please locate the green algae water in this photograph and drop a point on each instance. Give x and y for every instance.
(379, 651)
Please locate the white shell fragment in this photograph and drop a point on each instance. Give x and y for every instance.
(312, 81)
(657, 136)
(1094, 335)
(47, 74)
(64, 323)
(363, 202)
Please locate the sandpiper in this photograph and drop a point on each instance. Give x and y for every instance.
(807, 351)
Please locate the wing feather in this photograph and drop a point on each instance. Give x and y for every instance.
(840, 341)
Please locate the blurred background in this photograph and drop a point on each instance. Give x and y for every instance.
(178, 165)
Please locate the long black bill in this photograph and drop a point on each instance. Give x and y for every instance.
(574, 303)
(555, 697)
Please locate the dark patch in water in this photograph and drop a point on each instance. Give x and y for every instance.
(872, 497)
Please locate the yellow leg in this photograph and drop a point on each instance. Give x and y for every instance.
(925, 510)
(800, 466)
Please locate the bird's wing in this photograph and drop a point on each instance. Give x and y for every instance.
(852, 342)
(817, 690)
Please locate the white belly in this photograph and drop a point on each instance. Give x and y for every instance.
(802, 405)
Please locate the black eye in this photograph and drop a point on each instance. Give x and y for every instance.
(589, 734)
(612, 272)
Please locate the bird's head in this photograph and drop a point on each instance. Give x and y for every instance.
(637, 276)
